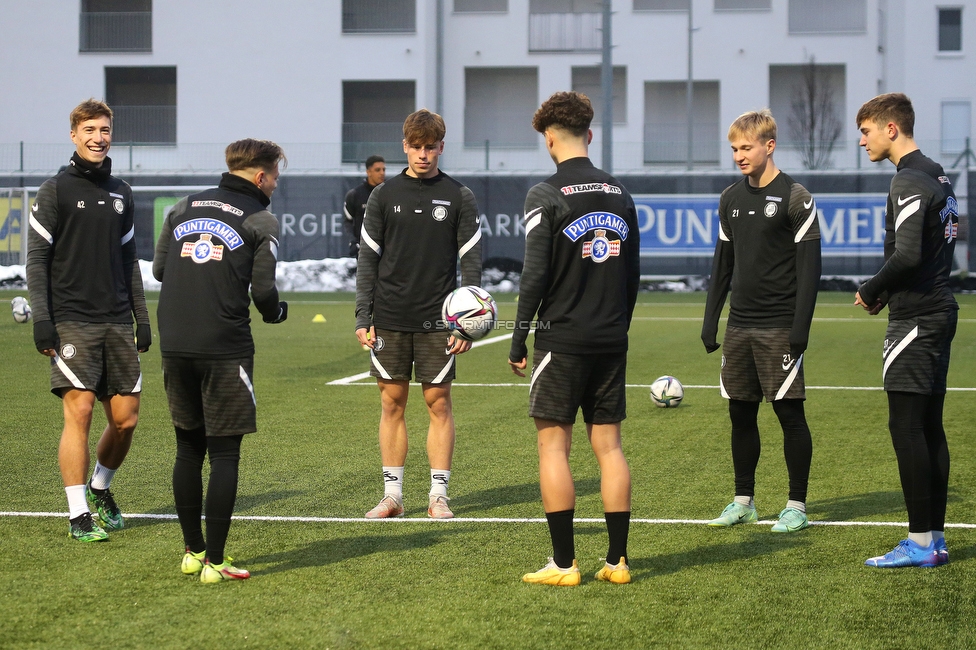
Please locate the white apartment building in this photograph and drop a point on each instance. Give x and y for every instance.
(332, 80)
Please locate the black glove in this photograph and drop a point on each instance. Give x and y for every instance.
(710, 344)
(143, 337)
(796, 350)
(354, 249)
(282, 313)
(46, 336)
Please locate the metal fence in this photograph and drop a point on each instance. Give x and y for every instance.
(664, 150)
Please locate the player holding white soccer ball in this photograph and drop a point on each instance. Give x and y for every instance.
(21, 310)
(469, 313)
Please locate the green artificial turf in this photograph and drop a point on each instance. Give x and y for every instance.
(456, 584)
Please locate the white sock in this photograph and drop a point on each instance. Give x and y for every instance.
(393, 482)
(77, 504)
(745, 501)
(102, 476)
(937, 535)
(799, 505)
(438, 482)
(922, 539)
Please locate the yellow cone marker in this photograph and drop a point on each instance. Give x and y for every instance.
(319, 318)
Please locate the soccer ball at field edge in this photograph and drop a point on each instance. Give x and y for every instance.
(667, 392)
(21, 310)
(469, 313)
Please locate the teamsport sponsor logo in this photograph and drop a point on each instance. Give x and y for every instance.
(220, 205)
(594, 220)
(440, 202)
(209, 226)
(606, 188)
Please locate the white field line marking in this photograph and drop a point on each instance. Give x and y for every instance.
(475, 520)
(350, 381)
(345, 381)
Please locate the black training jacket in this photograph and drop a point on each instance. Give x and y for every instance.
(921, 225)
(582, 263)
(213, 247)
(81, 249)
(413, 235)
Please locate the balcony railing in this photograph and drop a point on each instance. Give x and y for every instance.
(663, 143)
(379, 16)
(144, 124)
(115, 31)
(574, 32)
(363, 139)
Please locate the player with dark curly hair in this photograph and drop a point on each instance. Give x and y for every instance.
(581, 273)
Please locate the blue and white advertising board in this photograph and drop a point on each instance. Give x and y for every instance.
(686, 225)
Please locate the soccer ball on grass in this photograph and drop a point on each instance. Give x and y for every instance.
(21, 310)
(469, 313)
(667, 392)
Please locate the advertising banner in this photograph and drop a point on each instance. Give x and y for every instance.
(686, 225)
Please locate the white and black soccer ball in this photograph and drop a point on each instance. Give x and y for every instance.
(667, 392)
(469, 313)
(21, 310)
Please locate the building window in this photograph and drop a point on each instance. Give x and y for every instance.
(828, 16)
(956, 123)
(666, 122)
(144, 103)
(372, 118)
(808, 103)
(586, 80)
(480, 6)
(662, 5)
(115, 26)
(950, 30)
(379, 16)
(565, 25)
(743, 5)
(498, 106)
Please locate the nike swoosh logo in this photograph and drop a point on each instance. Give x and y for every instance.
(806, 206)
(902, 201)
(787, 366)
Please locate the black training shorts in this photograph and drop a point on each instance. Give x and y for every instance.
(563, 383)
(100, 357)
(214, 393)
(756, 362)
(916, 353)
(395, 354)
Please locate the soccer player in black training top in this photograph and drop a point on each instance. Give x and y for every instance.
(417, 225)
(768, 253)
(213, 247)
(85, 286)
(921, 224)
(581, 273)
(355, 204)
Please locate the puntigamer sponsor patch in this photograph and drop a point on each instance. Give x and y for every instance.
(594, 220)
(213, 227)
